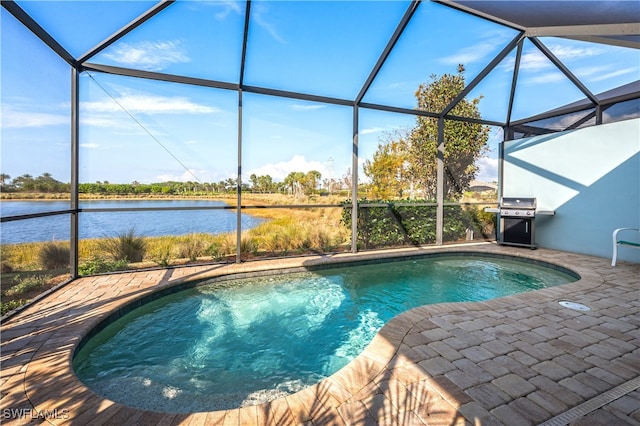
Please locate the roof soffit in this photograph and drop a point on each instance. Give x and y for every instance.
(607, 22)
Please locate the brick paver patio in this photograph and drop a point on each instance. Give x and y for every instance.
(517, 360)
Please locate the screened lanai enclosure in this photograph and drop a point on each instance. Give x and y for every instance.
(142, 134)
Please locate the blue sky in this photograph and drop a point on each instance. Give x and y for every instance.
(148, 131)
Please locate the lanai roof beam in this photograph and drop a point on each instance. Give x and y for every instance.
(126, 29)
(26, 20)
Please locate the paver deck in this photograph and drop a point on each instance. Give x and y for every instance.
(517, 360)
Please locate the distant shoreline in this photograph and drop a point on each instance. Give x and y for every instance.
(66, 197)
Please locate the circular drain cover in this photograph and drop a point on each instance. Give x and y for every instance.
(574, 305)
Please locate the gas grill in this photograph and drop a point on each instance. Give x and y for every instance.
(516, 225)
(517, 221)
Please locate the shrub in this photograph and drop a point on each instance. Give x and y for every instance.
(215, 250)
(272, 243)
(228, 245)
(6, 268)
(192, 248)
(320, 239)
(54, 256)
(10, 305)
(126, 246)
(485, 223)
(248, 244)
(396, 225)
(161, 253)
(28, 284)
(101, 266)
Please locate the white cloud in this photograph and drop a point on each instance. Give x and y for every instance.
(629, 116)
(90, 145)
(534, 61)
(469, 54)
(104, 121)
(12, 118)
(148, 55)
(548, 77)
(487, 169)
(222, 8)
(227, 7)
(300, 107)
(592, 70)
(259, 11)
(191, 175)
(278, 171)
(570, 52)
(400, 85)
(142, 103)
(568, 120)
(615, 74)
(372, 130)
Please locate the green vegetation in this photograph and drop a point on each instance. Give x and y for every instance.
(405, 163)
(44, 183)
(296, 183)
(127, 246)
(54, 255)
(192, 248)
(8, 306)
(27, 284)
(19, 288)
(395, 225)
(102, 266)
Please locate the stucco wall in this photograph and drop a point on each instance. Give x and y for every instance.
(589, 177)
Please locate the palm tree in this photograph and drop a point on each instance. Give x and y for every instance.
(311, 181)
(293, 182)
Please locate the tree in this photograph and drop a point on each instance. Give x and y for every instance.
(5, 184)
(388, 168)
(254, 182)
(293, 182)
(230, 185)
(24, 183)
(262, 184)
(265, 183)
(46, 183)
(310, 181)
(409, 159)
(465, 142)
(347, 181)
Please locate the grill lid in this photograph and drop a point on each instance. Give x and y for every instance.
(518, 203)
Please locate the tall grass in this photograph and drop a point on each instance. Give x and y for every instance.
(300, 233)
(54, 255)
(286, 232)
(192, 248)
(127, 246)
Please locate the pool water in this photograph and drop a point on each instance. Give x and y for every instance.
(234, 343)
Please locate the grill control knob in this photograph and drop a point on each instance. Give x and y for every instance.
(517, 212)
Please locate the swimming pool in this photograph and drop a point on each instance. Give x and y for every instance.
(231, 343)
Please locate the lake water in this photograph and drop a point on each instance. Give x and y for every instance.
(110, 224)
